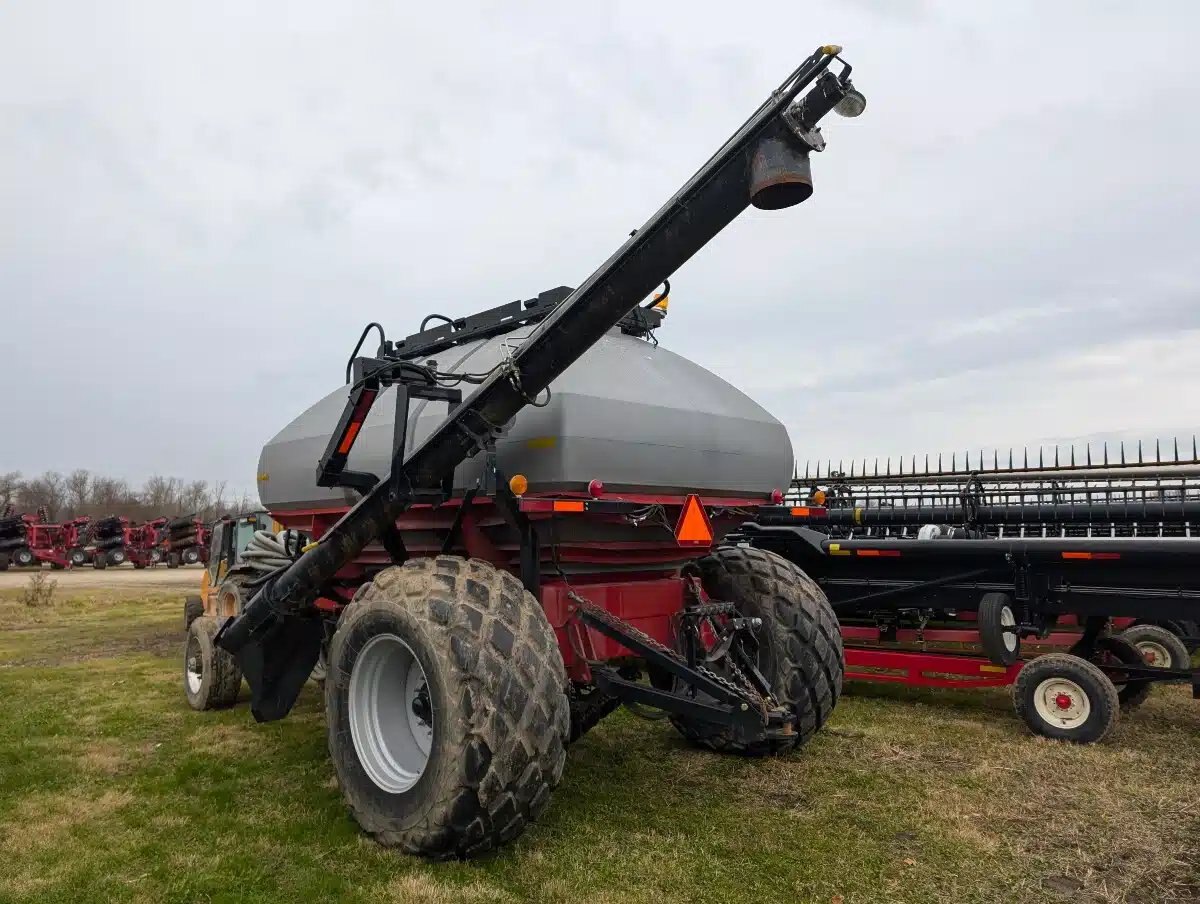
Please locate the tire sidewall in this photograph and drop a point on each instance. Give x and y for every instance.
(1094, 728)
(406, 808)
(992, 636)
(200, 633)
(1164, 638)
(754, 595)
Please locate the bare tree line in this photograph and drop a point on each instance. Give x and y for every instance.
(67, 496)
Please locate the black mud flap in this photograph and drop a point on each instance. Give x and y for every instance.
(276, 663)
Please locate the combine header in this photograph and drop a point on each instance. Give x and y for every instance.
(492, 570)
(1055, 554)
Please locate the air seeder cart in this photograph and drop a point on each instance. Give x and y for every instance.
(492, 570)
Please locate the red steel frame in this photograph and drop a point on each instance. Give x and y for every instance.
(648, 597)
(965, 669)
(141, 540)
(46, 542)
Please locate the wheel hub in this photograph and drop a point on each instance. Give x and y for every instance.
(1062, 703)
(194, 668)
(1008, 620)
(1155, 654)
(391, 713)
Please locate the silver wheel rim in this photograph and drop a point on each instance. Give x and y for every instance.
(391, 715)
(1154, 653)
(1062, 703)
(193, 665)
(1008, 620)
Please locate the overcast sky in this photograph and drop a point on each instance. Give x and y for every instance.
(202, 203)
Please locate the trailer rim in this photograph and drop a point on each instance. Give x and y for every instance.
(193, 669)
(392, 732)
(1155, 654)
(1062, 702)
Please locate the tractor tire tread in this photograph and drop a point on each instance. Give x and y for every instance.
(792, 605)
(222, 678)
(497, 656)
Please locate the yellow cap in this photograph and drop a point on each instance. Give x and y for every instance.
(831, 49)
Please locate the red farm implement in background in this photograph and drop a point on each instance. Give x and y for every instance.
(32, 541)
(184, 541)
(106, 537)
(143, 543)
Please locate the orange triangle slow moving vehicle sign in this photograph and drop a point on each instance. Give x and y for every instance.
(694, 528)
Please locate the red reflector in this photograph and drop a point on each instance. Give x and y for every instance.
(1091, 555)
(808, 511)
(568, 505)
(694, 528)
(887, 553)
(348, 439)
(356, 420)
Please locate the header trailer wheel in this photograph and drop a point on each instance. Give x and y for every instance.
(1066, 698)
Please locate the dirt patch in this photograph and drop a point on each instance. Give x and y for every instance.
(145, 580)
(161, 642)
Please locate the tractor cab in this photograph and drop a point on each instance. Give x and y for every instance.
(230, 537)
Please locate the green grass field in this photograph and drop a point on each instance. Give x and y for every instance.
(112, 789)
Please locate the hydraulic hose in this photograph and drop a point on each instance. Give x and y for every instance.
(267, 552)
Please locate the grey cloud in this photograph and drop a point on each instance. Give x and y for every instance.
(182, 187)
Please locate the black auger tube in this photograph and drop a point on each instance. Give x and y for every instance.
(709, 201)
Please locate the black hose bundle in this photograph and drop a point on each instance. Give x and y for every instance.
(107, 529)
(11, 528)
(184, 522)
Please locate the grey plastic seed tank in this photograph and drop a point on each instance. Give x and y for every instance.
(631, 414)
